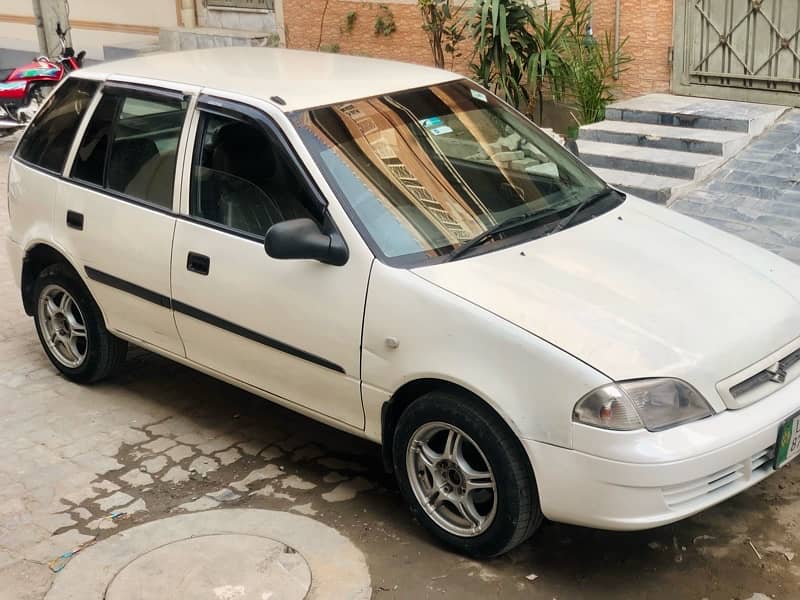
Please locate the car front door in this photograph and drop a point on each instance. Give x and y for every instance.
(115, 209)
(291, 328)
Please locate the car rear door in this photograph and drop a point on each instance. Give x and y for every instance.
(291, 328)
(115, 210)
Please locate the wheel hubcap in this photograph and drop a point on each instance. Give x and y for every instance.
(63, 326)
(451, 479)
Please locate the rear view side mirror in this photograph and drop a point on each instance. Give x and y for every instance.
(303, 239)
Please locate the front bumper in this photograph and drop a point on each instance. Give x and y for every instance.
(701, 464)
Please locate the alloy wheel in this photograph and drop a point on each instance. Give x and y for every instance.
(63, 326)
(451, 479)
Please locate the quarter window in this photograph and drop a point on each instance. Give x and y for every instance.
(130, 147)
(47, 141)
(242, 179)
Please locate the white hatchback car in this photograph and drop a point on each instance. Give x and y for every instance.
(439, 277)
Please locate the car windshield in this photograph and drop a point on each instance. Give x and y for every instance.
(425, 172)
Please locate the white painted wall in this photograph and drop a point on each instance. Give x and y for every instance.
(151, 13)
(154, 13)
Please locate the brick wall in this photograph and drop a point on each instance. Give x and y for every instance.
(648, 23)
(648, 26)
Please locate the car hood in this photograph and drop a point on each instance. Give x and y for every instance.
(640, 292)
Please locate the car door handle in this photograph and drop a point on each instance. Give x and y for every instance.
(198, 263)
(75, 220)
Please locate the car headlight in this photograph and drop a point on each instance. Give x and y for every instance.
(652, 403)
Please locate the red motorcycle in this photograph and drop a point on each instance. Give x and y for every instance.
(24, 89)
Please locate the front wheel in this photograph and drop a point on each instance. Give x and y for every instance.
(465, 475)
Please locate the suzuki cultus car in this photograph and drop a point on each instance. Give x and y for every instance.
(394, 251)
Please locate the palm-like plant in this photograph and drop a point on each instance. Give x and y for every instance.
(501, 29)
(519, 51)
(545, 64)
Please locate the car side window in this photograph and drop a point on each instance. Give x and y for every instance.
(48, 139)
(130, 147)
(242, 179)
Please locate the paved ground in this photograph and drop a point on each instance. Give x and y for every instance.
(757, 194)
(83, 463)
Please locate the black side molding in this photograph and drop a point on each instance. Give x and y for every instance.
(127, 286)
(196, 313)
(200, 315)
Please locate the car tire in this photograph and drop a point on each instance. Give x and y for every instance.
(79, 344)
(487, 501)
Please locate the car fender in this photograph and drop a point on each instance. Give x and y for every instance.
(414, 329)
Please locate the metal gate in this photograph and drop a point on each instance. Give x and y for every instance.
(738, 50)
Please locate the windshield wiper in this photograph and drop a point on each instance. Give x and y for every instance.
(501, 227)
(581, 206)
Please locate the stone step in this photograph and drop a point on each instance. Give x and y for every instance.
(697, 113)
(683, 139)
(649, 187)
(652, 161)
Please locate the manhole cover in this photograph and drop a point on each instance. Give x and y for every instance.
(217, 567)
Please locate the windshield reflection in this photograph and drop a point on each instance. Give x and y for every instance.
(425, 171)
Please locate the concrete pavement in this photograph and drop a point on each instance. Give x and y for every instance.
(757, 194)
(81, 464)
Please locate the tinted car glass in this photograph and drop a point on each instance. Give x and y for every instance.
(90, 161)
(144, 151)
(241, 179)
(47, 141)
(143, 138)
(425, 172)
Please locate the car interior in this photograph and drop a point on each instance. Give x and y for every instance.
(243, 180)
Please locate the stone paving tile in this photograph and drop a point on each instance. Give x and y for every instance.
(175, 475)
(116, 500)
(756, 195)
(155, 465)
(180, 452)
(204, 503)
(228, 457)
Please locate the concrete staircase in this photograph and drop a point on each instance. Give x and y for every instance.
(657, 145)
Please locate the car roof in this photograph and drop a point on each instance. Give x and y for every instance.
(301, 78)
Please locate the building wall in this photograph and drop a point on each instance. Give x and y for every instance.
(648, 26)
(647, 23)
(305, 28)
(95, 23)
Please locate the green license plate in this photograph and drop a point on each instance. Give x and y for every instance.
(788, 446)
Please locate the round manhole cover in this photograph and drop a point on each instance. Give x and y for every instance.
(216, 567)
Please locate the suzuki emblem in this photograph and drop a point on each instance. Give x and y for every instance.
(777, 372)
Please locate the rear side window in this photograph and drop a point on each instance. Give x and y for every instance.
(47, 141)
(130, 147)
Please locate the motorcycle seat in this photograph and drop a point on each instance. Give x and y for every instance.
(5, 73)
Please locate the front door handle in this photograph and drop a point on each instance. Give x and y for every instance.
(198, 263)
(75, 220)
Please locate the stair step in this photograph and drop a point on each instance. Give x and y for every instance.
(683, 139)
(649, 187)
(653, 161)
(697, 113)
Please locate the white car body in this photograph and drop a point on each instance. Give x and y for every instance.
(638, 292)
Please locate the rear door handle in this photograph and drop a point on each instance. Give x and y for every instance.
(75, 220)
(198, 263)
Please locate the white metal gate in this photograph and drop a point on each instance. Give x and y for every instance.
(738, 50)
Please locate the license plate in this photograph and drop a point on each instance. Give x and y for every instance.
(788, 446)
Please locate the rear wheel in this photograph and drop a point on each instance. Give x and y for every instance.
(71, 327)
(465, 475)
